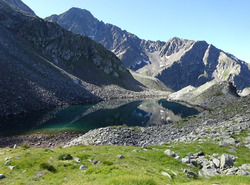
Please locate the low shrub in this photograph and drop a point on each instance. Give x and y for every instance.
(65, 157)
(48, 167)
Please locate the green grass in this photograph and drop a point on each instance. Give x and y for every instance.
(42, 166)
(154, 84)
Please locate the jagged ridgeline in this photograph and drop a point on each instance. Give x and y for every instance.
(42, 65)
(177, 62)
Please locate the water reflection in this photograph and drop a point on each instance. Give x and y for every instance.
(84, 118)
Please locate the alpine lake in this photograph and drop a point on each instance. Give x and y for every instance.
(83, 118)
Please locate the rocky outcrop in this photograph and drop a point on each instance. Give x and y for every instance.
(177, 62)
(44, 66)
(210, 166)
(206, 94)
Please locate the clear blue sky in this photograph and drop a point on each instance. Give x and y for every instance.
(223, 23)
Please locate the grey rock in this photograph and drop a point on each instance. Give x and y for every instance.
(247, 139)
(227, 142)
(201, 153)
(208, 171)
(120, 157)
(232, 150)
(215, 155)
(239, 144)
(135, 150)
(216, 162)
(1, 176)
(11, 167)
(18, 156)
(7, 158)
(7, 162)
(231, 171)
(248, 146)
(77, 159)
(83, 167)
(245, 166)
(226, 161)
(177, 158)
(170, 153)
(243, 172)
(185, 160)
(166, 174)
(190, 174)
(194, 162)
(95, 161)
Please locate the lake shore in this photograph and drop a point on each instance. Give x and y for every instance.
(38, 140)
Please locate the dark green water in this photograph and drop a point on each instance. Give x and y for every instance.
(87, 117)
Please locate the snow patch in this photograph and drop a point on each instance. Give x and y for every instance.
(147, 115)
(139, 62)
(145, 61)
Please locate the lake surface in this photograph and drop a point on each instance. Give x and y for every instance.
(84, 118)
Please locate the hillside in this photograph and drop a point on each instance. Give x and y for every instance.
(43, 66)
(150, 82)
(20, 6)
(177, 62)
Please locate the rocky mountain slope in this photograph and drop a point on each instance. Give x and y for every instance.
(43, 65)
(177, 62)
(150, 82)
(201, 95)
(20, 6)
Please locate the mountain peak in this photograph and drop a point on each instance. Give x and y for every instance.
(76, 9)
(177, 62)
(82, 13)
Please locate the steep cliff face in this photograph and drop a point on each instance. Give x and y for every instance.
(177, 62)
(43, 65)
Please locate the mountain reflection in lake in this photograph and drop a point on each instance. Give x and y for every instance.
(87, 117)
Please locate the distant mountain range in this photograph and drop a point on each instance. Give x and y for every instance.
(42, 65)
(177, 62)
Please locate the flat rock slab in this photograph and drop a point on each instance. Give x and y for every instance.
(227, 142)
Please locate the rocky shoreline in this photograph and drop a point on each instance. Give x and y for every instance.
(146, 136)
(224, 116)
(38, 140)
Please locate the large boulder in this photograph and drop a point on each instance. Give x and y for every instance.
(226, 161)
(170, 153)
